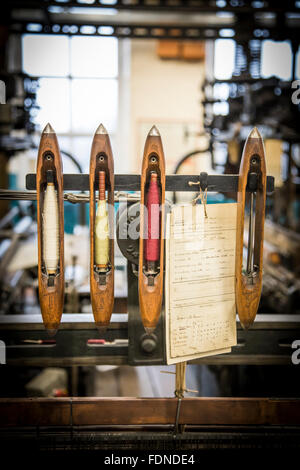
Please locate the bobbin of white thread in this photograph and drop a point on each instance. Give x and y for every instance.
(50, 230)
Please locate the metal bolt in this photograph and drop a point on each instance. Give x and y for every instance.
(148, 344)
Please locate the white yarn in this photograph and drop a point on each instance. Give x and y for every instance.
(101, 235)
(50, 230)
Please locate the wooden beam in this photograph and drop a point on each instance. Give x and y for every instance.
(148, 411)
(34, 412)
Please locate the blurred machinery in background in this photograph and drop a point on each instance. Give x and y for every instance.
(267, 103)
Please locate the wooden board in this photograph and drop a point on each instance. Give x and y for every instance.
(148, 411)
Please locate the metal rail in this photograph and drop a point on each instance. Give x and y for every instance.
(216, 183)
(268, 342)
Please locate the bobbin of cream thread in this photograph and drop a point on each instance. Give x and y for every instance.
(50, 230)
(101, 235)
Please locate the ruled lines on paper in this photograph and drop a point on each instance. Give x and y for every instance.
(200, 281)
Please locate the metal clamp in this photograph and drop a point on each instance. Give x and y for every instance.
(203, 181)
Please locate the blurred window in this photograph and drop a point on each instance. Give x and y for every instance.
(78, 87)
(224, 58)
(276, 59)
(46, 55)
(297, 74)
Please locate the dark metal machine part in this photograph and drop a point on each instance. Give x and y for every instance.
(128, 215)
(128, 228)
(143, 349)
(84, 440)
(218, 183)
(268, 342)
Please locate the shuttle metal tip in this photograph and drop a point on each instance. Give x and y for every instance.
(254, 134)
(102, 329)
(154, 131)
(101, 130)
(246, 324)
(52, 332)
(149, 331)
(48, 129)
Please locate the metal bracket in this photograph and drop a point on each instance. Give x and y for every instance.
(203, 181)
(143, 349)
(218, 183)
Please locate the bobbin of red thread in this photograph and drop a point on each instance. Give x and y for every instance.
(152, 243)
(101, 185)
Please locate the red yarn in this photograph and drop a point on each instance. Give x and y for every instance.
(153, 210)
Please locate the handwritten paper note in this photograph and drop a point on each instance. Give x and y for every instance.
(200, 281)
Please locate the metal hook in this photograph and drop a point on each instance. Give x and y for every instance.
(176, 427)
(203, 180)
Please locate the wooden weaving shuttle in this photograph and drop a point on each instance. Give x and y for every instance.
(252, 176)
(151, 252)
(102, 229)
(50, 225)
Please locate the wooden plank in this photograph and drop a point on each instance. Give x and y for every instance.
(124, 411)
(34, 412)
(196, 411)
(149, 411)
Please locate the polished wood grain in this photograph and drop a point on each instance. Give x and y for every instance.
(150, 297)
(102, 295)
(148, 411)
(248, 293)
(51, 297)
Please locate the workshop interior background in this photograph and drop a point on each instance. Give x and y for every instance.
(205, 76)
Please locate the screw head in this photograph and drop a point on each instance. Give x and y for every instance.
(148, 343)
